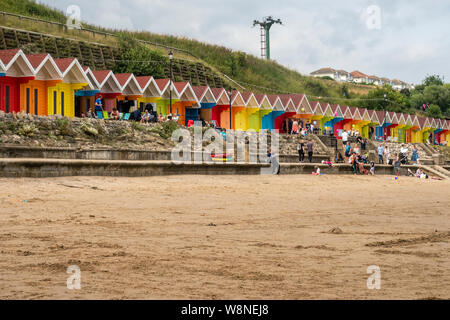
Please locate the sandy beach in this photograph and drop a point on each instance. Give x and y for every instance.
(225, 237)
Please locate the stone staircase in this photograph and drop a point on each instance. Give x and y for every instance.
(289, 143)
(442, 170)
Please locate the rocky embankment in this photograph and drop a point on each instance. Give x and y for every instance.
(56, 131)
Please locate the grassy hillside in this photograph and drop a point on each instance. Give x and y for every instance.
(251, 72)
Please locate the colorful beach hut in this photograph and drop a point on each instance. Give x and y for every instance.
(205, 97)
(85, 98)
(221, 112)
(303, 109)
(281, 122)
(317, 111)
(445, 134)
(391, 122)
(16, 70)
(107, 86)
(130, 89)
(373, 125)
(415, 130)
(222, 103)
(364, 126)
(335, 123)
(61, 97)
(242, 116)
(400, 128)
(408, 128)
(150, 91)
(187, 107)
(347, 123)
(277, 108)
(438, 128)
(163, 104)
(264, 108)
(325, 121)
(34, 94)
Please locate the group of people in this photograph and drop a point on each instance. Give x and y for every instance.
(297, 127)
(304, 147)
(402, 156)
(137, 115)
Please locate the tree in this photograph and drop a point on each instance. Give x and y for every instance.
(417, 100)
(433, 80)
(394, 101)
(434, 111)
(438, 95)
(139, 59)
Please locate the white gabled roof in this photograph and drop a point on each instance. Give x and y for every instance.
(44, 67)
(250, 100)
(236, 99)
(185, 91)
(263, 102)
(204, 94)
(221, 96)
(15, 63)
(128, 84)
(148, 86)
(276, 103)
(105, 81)
(72, 71)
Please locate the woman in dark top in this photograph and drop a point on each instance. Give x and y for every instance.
(301, 151)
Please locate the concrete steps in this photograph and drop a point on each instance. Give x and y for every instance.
(431, 170)
(442, 170)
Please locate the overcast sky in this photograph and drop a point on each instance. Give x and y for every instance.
(409, 40)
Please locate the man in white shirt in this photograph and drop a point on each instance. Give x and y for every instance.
(404, 150)
(344, 137)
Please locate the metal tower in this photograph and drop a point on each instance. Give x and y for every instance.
(265, 25)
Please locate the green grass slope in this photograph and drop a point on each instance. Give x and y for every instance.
(251, 72)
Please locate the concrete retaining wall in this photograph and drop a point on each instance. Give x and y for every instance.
(108, 154)
(40, 168)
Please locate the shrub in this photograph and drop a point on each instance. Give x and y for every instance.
(88, 129)
(63, 126)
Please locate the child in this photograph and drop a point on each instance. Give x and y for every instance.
(317, 171)
(372, 168)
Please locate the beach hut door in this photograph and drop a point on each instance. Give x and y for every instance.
(5, 93)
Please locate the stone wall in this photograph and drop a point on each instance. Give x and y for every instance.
(40, 168)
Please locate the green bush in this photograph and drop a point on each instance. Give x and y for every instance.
(165, 129)
(63, 126)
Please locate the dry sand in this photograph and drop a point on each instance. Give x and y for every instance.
(224, 237)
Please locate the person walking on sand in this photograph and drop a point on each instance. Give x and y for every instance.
(397, 165)
(310, 147)
(274, 163)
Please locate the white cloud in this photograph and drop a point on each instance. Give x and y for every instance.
(412, 42)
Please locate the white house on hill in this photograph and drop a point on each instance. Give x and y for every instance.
(324, 72)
